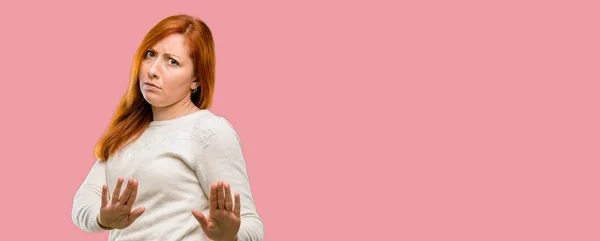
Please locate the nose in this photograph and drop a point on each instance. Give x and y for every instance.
(152, 70)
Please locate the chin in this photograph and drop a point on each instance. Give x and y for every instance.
(152, 99)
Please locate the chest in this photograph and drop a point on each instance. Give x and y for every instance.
(160, 164)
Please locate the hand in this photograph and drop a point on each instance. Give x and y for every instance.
(117, 213)
(224, 220)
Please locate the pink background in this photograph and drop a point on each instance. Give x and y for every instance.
(360, 120)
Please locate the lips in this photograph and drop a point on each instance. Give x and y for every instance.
(151, 84)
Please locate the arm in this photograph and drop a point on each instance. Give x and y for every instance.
(222, 159)
(88, 198)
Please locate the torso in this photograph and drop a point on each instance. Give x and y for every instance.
(162, 160)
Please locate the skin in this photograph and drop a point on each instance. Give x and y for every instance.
(223, 221)
(166, 80)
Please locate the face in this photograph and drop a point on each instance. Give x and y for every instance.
(167, 72)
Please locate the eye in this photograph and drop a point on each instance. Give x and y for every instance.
(149, 54)
(173, 62)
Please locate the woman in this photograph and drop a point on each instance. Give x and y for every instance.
(168, 168)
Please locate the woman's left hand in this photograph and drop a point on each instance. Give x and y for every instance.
(223, 221)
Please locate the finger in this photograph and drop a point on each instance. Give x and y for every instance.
(213, 199)
(117, 191)
(104, 195)
(133, 195)
(236, 211)
(228, 198)
(221, 196)
(125, 196)
(135, 214)
(201, 219)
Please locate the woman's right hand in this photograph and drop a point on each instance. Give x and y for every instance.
(117, 213)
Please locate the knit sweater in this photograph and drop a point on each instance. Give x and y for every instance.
(175, 162)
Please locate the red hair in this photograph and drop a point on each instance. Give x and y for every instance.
(133, 113)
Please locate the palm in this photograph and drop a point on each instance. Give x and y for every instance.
(221, 222)
(224, 220)
(117, 212)
(121, 219)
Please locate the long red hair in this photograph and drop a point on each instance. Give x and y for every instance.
(133, 114)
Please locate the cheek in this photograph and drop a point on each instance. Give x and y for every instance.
(141, 75)
(178, 80)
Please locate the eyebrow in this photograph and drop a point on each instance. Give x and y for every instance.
(168, 54)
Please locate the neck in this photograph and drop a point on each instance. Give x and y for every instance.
(179, 109)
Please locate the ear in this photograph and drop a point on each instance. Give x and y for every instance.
(195, 84)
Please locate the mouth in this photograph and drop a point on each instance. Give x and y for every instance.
(151, 84)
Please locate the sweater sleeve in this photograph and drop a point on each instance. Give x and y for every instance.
(88, 199)
(222, 159)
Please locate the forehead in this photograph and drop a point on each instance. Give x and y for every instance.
(174, 44)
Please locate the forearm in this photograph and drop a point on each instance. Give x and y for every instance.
(86, 206)
(87, 200)
(222, 159)
(251, 229)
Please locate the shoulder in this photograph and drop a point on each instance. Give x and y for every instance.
(209, 121)
(211, 128)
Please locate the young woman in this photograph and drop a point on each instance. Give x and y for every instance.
(167, 167)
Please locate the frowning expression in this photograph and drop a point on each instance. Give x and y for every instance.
(166, 73)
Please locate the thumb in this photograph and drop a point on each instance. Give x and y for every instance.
(201, 218)
(104, 195)
(135, 214)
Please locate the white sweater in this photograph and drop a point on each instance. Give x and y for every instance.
(175, 162)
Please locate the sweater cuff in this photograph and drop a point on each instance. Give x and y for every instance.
(93, 224)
